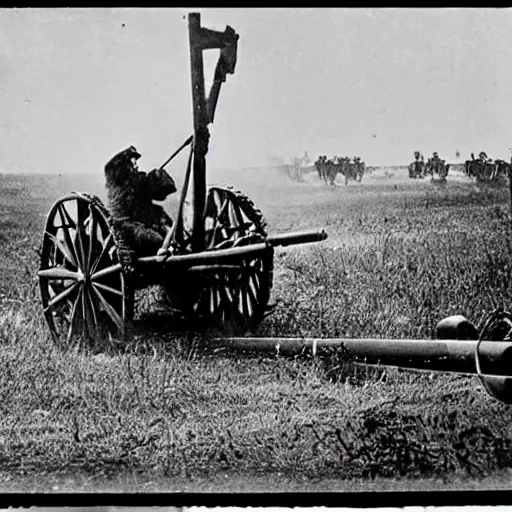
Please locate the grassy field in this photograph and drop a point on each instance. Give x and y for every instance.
(401, 255)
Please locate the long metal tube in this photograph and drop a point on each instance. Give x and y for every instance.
(299, 237)
(207, 257)
(440, 355)
(215, 256)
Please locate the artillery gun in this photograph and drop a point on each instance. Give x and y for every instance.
(221, 268)
(459, 348)
(485, 170)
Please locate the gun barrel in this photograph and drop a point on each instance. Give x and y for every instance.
(208, 257)
(215, 256)
(495, 357)
(299, 237)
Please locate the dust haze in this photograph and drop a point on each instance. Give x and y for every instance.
(79, 85)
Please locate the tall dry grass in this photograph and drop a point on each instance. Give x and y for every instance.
(400, 256)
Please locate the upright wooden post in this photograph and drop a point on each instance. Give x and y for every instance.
(510, 183)
(200, 39)
(200, 123)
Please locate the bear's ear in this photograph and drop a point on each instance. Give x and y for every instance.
(124, 156)
(131, 152)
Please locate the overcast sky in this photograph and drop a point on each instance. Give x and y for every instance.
(79, 85)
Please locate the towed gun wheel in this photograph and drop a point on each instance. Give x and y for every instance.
(84, 291)
(232, 298)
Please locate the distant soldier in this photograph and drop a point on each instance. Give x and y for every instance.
(483, 157)
(320, 165)
(486, 169)
(416, 168)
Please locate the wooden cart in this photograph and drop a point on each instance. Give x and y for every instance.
(220, 271)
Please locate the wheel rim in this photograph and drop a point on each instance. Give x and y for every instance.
(82, 286)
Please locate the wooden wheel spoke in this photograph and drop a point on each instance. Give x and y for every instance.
(251, 293)
(223, 213)
(231, 293)
(89, 312)
(223, 303)
(209, 300)
(239, 294)
(223, 208)
(214, 233)
(236, 313)
(247, 298)
(240, 318)
(65, 217)
(67, 221)
(206, 299)
(63, 247)
(233, 288)
(92, 235)
(215, 300)
(74, 322)
(61, 296)
(238, 214)
(107, 288)
(216, 294)
(245, 221)
(103, 230)
(79, 241)
(107, 244)
(254, 279)
(229, 217)
(51, 289)
(106, 271)
(203, 300)
(93, 310)
(59, 273)
(67, 314)
(233, 221)
(109, 309)
(217, 200)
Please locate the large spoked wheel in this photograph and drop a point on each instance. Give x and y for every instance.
(83, 290)
(231, 297)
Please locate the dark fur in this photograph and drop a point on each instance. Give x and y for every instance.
(130, 198)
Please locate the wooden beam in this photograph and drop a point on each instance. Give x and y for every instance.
(200, 115)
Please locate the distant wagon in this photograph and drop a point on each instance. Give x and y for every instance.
(484, 169)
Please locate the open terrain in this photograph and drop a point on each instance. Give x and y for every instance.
(162, 416)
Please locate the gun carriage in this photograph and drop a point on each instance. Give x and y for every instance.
(219, 267)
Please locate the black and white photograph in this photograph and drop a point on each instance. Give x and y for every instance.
(255, 250)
